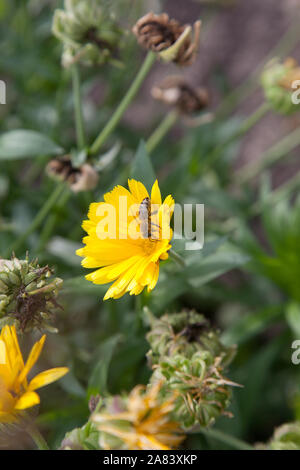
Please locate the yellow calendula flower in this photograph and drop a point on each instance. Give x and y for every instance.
(16, 393)
(145, 423)
(128, 234)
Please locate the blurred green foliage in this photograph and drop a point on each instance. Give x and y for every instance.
(248, 288)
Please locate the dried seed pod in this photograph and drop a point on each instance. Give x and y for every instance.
(176, 92)
(167, 37)
(79, 179)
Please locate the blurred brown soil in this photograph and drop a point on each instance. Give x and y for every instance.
(235, 40)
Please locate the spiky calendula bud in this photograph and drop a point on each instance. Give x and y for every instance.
(184, 333)
(88, 31)
(172, 41)
(27, 294)
(279, 81)
(176, 92)
(81, 178)
(189, 358)
(203, 392)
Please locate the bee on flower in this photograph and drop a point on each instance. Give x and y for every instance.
(16, 392)
(127, 236)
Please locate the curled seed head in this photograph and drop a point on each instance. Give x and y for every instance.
(159, 33)
(176, 92)
(79, 179)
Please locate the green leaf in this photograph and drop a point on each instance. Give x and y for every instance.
(251, 325)
(254, 376)
(71, 385)
(25, 143)
(293, 318)
(78, 157)
(200, 271)
(98, 379)
(126, 363)
(167, 290)
(142, 169)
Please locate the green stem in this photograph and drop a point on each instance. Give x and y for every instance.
(271, 156)
(37, 166)
(52, 220)
(78, 107)
(37, 437)
(162, 129)
(126, 101)
(249, 122)
(176, 257)
(138, 304)
(37, 221)
(232, 441)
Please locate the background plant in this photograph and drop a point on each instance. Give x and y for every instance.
(245, 280)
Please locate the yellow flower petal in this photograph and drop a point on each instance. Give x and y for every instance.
(15, 394)
(33, 357)
(145, 423)
(46, 377)
(155, 194)
(148, 442)
(130, 263)
(138, 190)
(27, 400)
(2, 352)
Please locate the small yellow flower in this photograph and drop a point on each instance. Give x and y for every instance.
(16, 393)
(145, 424)
(119, 244)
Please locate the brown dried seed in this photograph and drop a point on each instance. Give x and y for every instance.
(79, 179)
(175, 91)
(158, 33)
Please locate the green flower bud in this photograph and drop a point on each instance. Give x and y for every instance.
(184, 333)
(203, 392)
(88, 31)
(277, 81)
(286, 437)
(190, 359)
(85, 438)
(27, 294)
